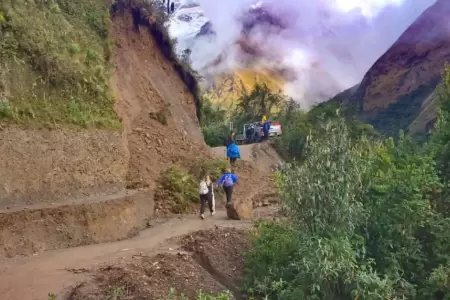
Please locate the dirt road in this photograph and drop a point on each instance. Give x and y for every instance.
(32, 278)
(262, 155)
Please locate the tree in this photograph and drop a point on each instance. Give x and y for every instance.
(260, 101)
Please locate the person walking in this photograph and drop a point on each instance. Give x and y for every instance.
(230, 139)
(228, 180)
(233, 153)
(206, 196)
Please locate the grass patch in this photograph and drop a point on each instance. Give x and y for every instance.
(54, 63)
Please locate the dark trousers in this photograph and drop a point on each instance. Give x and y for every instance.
(232, 161)
(266, 135)
(203, 200)
(229, 192)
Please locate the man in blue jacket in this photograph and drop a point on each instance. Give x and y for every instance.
(266, 129)
(228, 180)
(233, 153)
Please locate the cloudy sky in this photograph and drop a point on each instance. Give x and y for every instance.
(329, 43)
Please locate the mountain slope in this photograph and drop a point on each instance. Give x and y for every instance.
(228, 87)
(392, 93)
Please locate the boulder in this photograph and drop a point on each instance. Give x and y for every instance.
(240, 210)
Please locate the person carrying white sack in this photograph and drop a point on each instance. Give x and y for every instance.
(206, 190)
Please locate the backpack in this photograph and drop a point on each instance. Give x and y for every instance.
(228, 181)
(233, 151)
(203, 188)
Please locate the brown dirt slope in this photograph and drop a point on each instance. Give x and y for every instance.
(410, 70)
(158, 111)
(261, 156)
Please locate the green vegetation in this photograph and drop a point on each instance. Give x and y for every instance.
(179, 186)
(213, 123)
(367, 218)
(399, 115)
(250, 107)
(173, 295)
(54, 63)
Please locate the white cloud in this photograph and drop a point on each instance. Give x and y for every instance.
(329, 43)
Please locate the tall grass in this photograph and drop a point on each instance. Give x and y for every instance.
(54, 57)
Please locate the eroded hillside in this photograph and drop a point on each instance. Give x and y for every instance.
(118, 111)
(71, 78)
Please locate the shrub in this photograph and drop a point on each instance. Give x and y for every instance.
(213, 123)
(361, 223)
(180, 187)
(214, 167)
(440, 140)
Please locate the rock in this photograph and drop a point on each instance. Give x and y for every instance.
(240, 210)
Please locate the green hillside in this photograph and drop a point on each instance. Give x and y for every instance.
(54, 63)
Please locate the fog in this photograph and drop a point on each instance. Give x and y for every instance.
(328, 44)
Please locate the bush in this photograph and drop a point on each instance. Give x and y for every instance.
(440, 140)
(361, 223)
(213, 123)
(180, 187)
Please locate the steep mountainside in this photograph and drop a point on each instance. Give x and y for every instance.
(393, 91)
(227, 88)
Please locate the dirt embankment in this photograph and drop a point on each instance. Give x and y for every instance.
(157, 108)
(51, 166)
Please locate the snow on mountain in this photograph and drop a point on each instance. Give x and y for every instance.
(186, 22)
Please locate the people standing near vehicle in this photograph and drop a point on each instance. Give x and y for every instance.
(233, 153)
(206, 191)
(228, 180)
